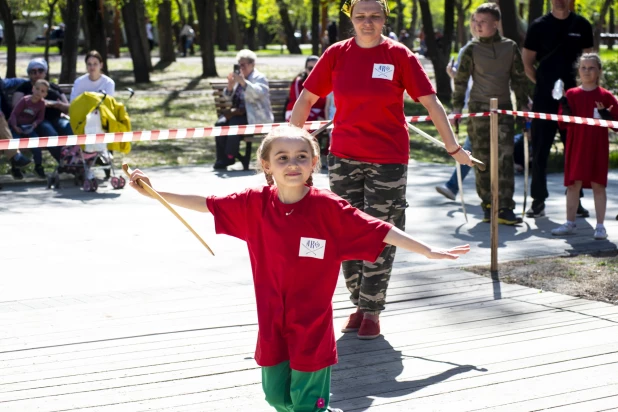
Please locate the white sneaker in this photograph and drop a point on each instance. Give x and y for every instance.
(446, 192)
(567, 228)
(600, 233)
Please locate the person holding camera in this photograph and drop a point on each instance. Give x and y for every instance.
(248, 91)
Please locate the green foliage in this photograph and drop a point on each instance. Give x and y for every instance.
(35, 9)
(610, 74)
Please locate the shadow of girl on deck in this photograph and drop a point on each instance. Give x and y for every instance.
(368, 370)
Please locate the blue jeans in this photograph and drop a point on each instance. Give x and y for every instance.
(452, 182)
(37, 156)
(57, 127)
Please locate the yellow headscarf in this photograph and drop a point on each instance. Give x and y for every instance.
(347, 7)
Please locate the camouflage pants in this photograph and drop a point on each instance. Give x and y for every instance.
(380, 191)
(478, 130)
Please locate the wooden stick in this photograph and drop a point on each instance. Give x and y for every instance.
(493, 163)
(164, 202)
(477, 162)
(321, 129)
(526, 166)
(461, 194)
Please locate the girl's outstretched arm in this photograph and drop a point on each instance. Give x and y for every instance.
(193, 202)
(401, 239)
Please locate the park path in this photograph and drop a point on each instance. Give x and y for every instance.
(108, 304)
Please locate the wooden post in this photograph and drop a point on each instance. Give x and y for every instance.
(493, 160)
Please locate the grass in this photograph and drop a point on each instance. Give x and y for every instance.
(179, 97)
(590, 276)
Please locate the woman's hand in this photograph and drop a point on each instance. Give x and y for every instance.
(463, 157)
(230, 82)
(451, 254)
(240, 79)
(139, 175)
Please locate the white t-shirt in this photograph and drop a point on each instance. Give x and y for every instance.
(149, 34)
(84, 84)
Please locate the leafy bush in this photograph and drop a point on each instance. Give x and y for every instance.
(610, 74)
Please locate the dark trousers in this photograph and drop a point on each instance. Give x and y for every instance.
(229, 145)
(543, 134)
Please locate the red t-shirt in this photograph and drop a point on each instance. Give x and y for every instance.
(296, 251)
(317, 110)
(368, 85)
(587, 147)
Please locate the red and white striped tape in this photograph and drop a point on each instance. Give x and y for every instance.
(561, 118)
(149, 135)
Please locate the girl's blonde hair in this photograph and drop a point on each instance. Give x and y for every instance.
(597, 59)
(263, 152)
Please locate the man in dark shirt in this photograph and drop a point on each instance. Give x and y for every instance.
(555, 41)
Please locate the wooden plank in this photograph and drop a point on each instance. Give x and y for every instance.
(588, 399)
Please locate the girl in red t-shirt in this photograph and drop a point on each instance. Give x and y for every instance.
(317, 111)
(586, 160)
(297, 237)
(370, 144)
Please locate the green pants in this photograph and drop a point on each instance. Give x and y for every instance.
(288, 390)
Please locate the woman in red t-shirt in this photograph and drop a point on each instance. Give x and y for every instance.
(297, 237)
(369, 151)
(317, 111)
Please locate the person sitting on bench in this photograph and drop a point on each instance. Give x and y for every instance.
(249, 92)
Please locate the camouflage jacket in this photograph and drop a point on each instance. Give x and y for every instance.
(496, 66)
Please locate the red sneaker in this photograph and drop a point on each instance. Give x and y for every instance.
(369, 329)
(354, 322)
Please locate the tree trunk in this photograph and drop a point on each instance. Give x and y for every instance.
(345, 29)
(315, 27)
(69, 49)
(96, 38)
(117, 33)
(181, 12)
(9, 35)
(190, 15)
(50, 21)
(252, 32)
(290, 40)
(414, 22)
(460, 37)
(206, 17)
(535, 10)
(399, 24)
(134, 16)
(236, 32)
(439, 54)
(509, 20)
(612, 29)
(222, 30)
(167, 51)
(598, 27)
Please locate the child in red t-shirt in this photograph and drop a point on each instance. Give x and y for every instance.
(297, 237)
(586, 160)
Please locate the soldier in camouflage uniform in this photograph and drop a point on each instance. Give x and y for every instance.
(495, 64)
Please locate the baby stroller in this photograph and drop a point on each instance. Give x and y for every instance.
(93, 113)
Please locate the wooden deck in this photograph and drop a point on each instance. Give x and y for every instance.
(448, 345)
(109, 305)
